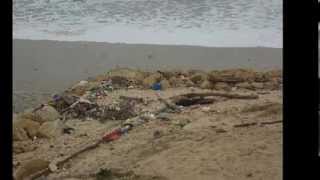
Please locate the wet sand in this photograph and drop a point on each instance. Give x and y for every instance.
(41, 66)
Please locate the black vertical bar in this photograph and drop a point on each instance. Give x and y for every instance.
(300, 49)
(6, 92)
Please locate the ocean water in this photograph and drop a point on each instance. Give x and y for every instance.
(220, 23)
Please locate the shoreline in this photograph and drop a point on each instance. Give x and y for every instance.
(139, 44)
(51, 66)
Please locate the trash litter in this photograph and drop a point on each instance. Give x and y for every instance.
(204, 98)
(156, 86)
(114, 135)
(205, 109)
(156, 134)
(93, 103)
(147, 116)
(63, 101)
(82, 83)
(163, 116)
(68, 130)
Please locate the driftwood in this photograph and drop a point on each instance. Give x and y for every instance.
(193, 101)
(132, 98)
(168, 105)
(226, 95)
(229, 80)
(244, 125)
(58, 163)
(261, 123)
(202, 98)
(271, 122)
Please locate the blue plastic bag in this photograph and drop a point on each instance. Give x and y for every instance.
(156, 86)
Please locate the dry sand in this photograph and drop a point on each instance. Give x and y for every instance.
(208, 146)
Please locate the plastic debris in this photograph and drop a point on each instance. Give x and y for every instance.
(156, 86)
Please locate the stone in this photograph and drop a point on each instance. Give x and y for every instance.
(50, 129)
(192, 72)
(29, 115)
(174, 81)
(271, 85)
(232, 75)
(257, 85)
(150, 80)
(163, 116)
(261, 77)
(167, 74)
(188, 83)
(165, 84)
(30, 167)
(127, 73)
(198, 78)
(47, 113)
(273, 74)
(19, 134)
(181, 122)
(99, 78)
(82, 87)
(222, 86)
(23, 146)
(24, 129)
(243, 85)
(206, 85)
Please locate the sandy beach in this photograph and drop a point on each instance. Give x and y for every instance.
(42, 67)
(147, 90)
(224, 125)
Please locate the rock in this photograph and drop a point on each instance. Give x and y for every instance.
(257, 85)
(163, 116)
(119, 82)
(150, 80)
(167, 74)
(127, 73)
(261, 77)
(271, 85)
(165, 84)
(274, 74)
(222, 86)
(82, 87)
(30, 167)
(24, 129)
(181, 122)
(53, 167)
(99, 78)
(19, 134)
(232, 75)
(243, 85)
(250, 86)
(82, 83)
(29, 115)
(63, 101)
(47, 113)
(157, 134)
(23, 146)
(192, 72)
(50, 129)
(206, 109)
(174, 81)
(198, 78)
(206, 85)
(188, 83)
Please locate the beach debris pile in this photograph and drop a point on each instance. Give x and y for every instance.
(100, 99)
